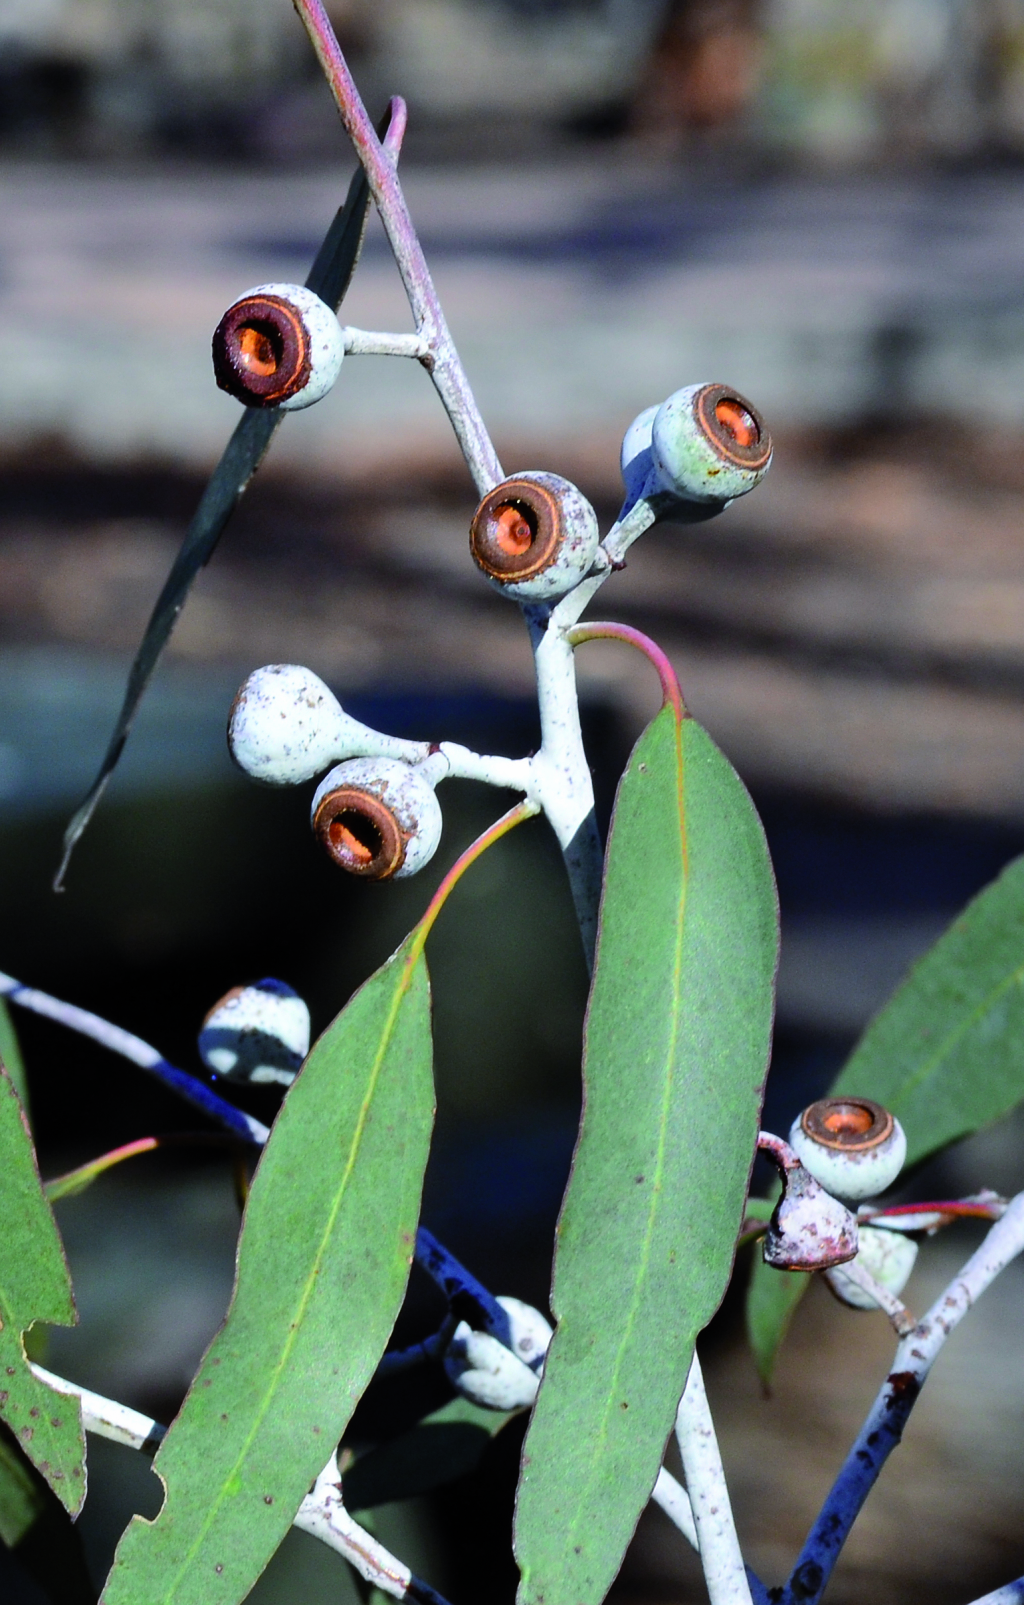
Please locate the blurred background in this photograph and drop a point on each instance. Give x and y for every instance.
(820, 204)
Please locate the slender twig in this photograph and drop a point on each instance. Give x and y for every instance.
(1009, 1594)
(888, 1416)
(194, 1091)
(899, 1316)
(321, 1513)
(675, 1502)
(724, 1570)
(443, 361)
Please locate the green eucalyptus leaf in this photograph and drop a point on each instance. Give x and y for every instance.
(445, 1445)
(323, 1261)
(677, 1038)
(36, 1526)
(34, 1286)
(945, 1054)
(10, 1053)
(22, 1500)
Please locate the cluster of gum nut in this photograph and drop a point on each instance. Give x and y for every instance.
(535, 537)
(852, 1147)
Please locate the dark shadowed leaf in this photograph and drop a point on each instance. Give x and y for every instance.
(34, 1286)
(678, 1029)
(443, 1446)
(323, 1261)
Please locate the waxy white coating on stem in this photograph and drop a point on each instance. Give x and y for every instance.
(321, 1513)
(324, 1516)
(370, 343)
(854, 1280)
(720, 1557)
(887, 1258)
(673, 1499)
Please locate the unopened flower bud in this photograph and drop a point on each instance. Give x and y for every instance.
(278, 345)
(887, 1256)
(377, 818)
(535, 536)
(531, 1334)
(287, 726)
(485, 1371)
(853, 1146)
(257, 1033)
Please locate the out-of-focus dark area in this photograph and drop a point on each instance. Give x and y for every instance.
(821, 204)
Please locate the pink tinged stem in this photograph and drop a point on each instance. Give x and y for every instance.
(670, 688)
(444, 365)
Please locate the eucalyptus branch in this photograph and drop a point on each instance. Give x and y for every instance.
(322, 1513)
(884, 1426)
(441, 358)
(720, 1557)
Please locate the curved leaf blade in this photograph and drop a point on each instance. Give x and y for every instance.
(323, 1262)
(946, 1053)
(677, 1038)
(34, 1286)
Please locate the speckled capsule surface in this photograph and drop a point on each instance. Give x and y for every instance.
(854, 1147)
(278, 345)
(257, 1033)
(377, 817)
(287, 726)
(535, 536)
(887, 1256)
(708, 444)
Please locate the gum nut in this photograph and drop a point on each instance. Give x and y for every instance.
(809, 1229)
(257, 1033)
(888, 1256)
(635, 457)
(531, 1333)
(535, 536)
(287, 726)
(709, 444)
(278, 345)
(485, 1371)
(377, 817)
(853, 1146)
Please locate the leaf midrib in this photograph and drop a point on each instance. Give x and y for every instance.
(596, 1460)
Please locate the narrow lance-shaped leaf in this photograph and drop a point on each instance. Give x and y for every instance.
(677, 1038)
(34, 1286)
(945, 1054)
(329, 278)
(323, 1262)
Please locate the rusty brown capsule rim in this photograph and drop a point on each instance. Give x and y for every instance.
(517, 530)
(847, 1125)
(261, 351)
(725, 417)
(229, 997)
(360, 833)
